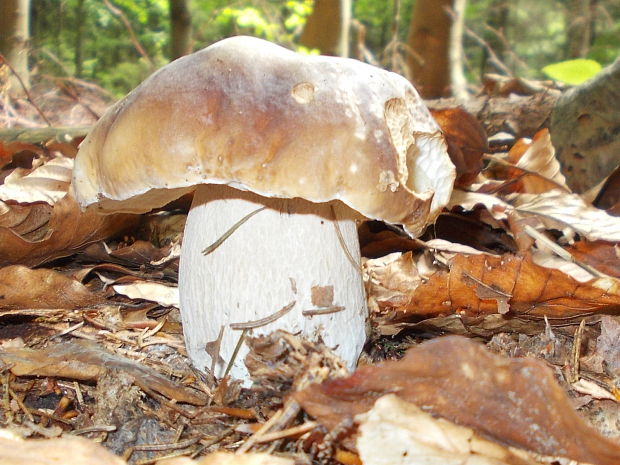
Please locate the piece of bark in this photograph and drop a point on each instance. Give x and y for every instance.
(585, 124)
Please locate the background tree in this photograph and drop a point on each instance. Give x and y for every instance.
(180, 28)
(429, 47)
(327, 28)
(14, 39)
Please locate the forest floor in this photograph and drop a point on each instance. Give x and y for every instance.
(91, 341)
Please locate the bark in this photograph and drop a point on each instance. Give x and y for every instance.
(14, 38)
(327, 28)
(458, 82)
(429, 47)
(585, 124)
(498, 15)
(79, 37)
(180, 28)
(579, 27)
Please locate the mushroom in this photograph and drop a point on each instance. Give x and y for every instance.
(285, 153)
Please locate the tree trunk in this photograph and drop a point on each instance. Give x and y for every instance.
(180, 28)
(585, 124)
(579, 28)
(14, 37)
(498, 14)
(458, 82)
(79, 37)
(429, 47)
(327, 28)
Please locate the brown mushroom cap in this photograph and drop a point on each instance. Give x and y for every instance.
(258, 117)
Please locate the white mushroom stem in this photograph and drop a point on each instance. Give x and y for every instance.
(289, 256)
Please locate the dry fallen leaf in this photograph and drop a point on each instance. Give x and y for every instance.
(155, 292)
(69, 450)
(569, 212)
(397, 432)
(466, 139)
(87, 361)
(47, 183)
(516, 402)
(482, 284)
(24, 288)
(540, 170)
(67, 231)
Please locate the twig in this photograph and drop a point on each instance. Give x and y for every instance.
(211, 248)
(562, 253)
(276, 423)
(285, 433)
(94, 429)
(233, 357)
(525, 171)
(343, 244)
(28, 96)
(16, 398)
(322, 311)
(206, 444)
(493, 58)
(264, 321)
(132, 35)
(576, 353)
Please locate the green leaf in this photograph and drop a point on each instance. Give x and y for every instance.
(573, 72)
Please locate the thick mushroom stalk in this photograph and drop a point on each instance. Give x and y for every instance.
(293, 265)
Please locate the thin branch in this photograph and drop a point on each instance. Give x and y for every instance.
(3, 60)
(132, 35)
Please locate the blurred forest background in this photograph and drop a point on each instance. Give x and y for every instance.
(444, 46)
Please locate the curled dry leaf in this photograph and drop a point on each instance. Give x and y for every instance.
(70, 450)
(568, 212)
(482, 284)
(47, 183)
(155, 292)
(87, 361)
(24, 288)
(396, 431)
(67, 231)
(40, 221)
(539, 168)
(516, 402)
(466, 139)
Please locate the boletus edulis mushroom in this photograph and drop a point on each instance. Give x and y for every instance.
(285, 153)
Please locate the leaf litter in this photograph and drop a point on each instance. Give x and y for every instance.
(91, 338)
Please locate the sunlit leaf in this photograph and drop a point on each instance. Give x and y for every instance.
(573, 72)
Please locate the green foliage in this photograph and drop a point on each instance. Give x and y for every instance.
(281, 25)
(84, 38)
(573, 72)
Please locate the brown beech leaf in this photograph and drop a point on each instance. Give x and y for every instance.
(604, 256)
(466, 139)
(67, 231)
(537, 169)
(398, 432)
(608, 197)
(22, 287)
(47, 183)
(87, 361)
(516, 402)
(484, 284)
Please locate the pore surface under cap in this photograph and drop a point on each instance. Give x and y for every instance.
(254, 115)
